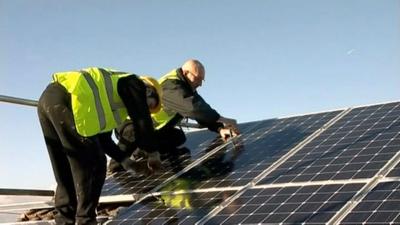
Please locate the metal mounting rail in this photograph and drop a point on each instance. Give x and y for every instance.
(26, 206)
(33, 192)
(30, 102)
(19, 101)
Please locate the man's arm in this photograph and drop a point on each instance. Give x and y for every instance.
(111, 149)
(133, 93)
(179, 98)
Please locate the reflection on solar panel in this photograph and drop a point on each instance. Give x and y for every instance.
(186, 208)
(310, 169)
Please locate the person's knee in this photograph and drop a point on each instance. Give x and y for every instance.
(181, 138)
(171, 138)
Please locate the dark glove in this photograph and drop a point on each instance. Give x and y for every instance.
(139, 168)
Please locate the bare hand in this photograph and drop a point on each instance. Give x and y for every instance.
(229, 122)
(227, 133)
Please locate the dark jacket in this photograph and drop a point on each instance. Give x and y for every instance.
(178, 96)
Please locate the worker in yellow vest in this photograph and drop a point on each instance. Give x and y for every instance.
(77, 113)
(180, 100)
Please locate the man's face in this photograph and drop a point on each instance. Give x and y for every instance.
(195, 79)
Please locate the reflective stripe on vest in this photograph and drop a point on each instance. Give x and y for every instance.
(96, 105)
(97, 102)
(162, 118)
(110, 90)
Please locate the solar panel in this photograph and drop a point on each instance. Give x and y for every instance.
(286, 205)
(380, 206)
(356, 146)
(199, 143)
(237, 165)
(168, 208)
(125, 183)
(266, 141)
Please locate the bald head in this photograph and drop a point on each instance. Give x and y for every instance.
(194, 71)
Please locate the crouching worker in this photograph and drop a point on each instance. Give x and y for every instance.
(77, 113)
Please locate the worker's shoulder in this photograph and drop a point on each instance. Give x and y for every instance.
(174, 84)
(130, 81)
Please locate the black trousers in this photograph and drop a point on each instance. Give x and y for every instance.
(79, 164)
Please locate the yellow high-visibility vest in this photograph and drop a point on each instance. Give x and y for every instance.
(96, 104)
(162, 118)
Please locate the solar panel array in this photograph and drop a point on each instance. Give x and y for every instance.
(336, 167)
(231, 165)
(325, 168)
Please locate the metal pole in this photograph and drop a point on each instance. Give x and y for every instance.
(5, 191)
(19, 101)
(29, 102)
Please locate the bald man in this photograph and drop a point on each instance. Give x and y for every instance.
(180, 100)
(183, 101)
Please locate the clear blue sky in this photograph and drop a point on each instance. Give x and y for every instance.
(263, 59)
